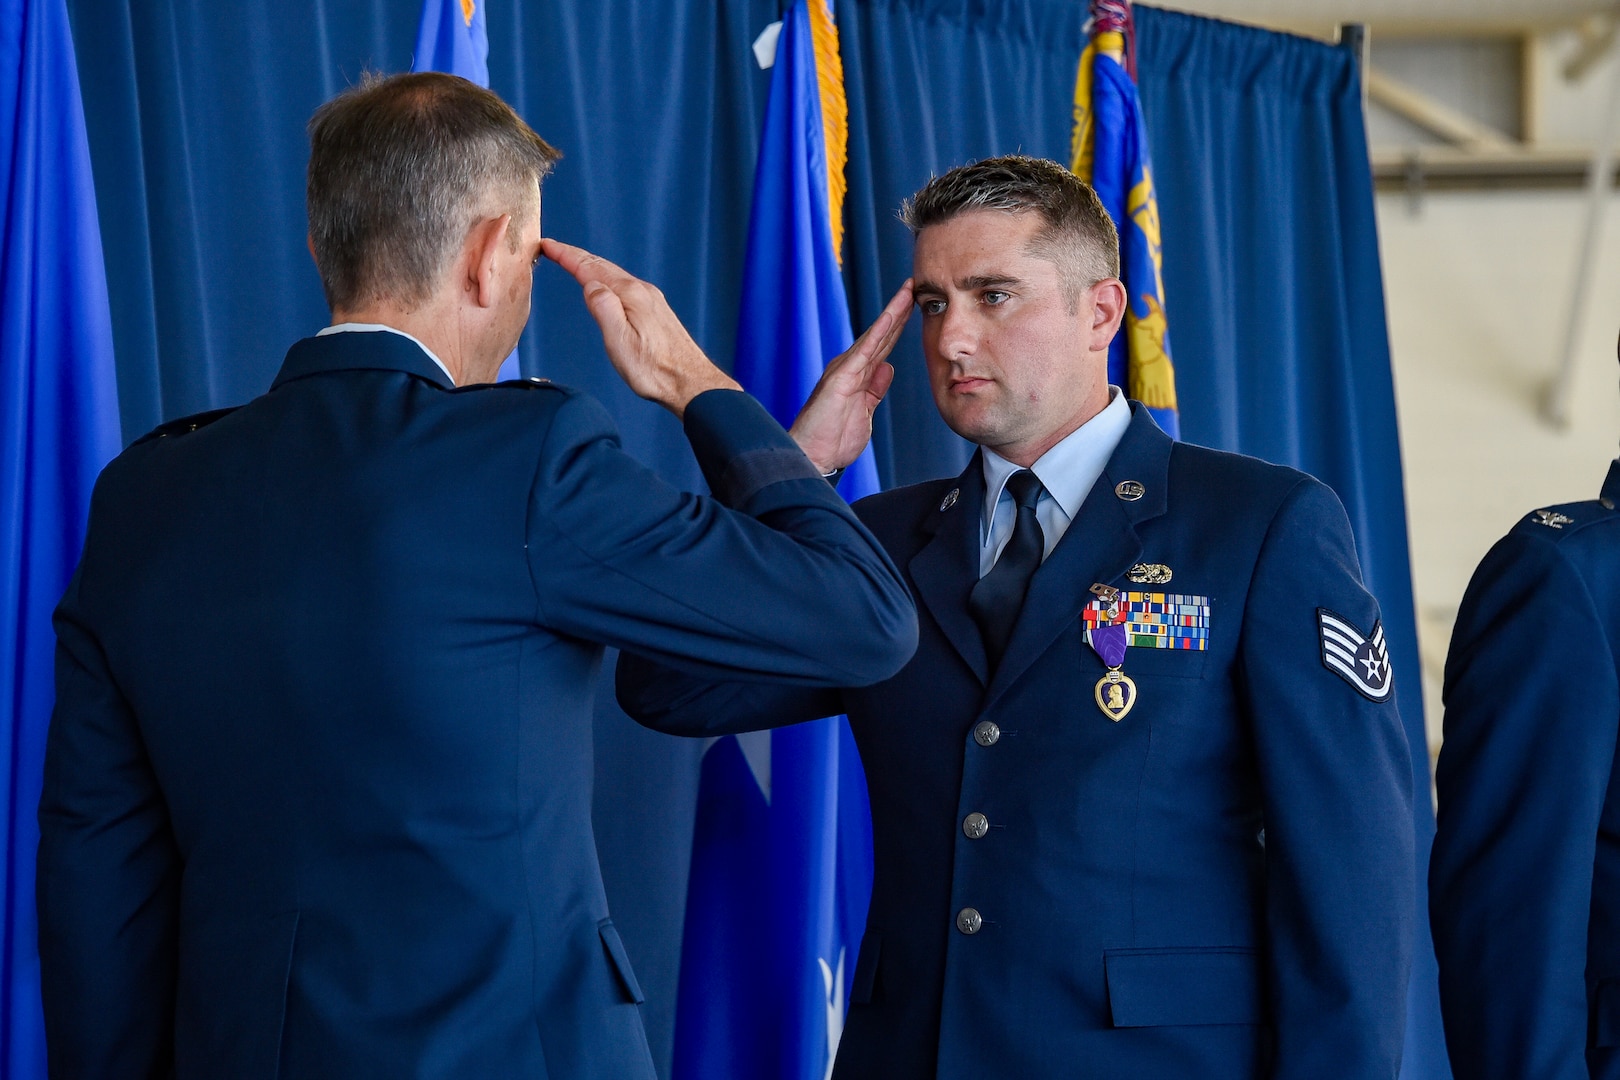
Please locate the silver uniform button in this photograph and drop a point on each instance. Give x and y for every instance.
(985, 733)
(969, 921)
(975, 825)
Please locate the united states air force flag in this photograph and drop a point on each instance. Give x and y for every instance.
(58, 427)
(1110, 152)
(451, 38)
(782, 854)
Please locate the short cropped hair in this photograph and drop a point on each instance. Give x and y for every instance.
(400, 167)
(1078, 236)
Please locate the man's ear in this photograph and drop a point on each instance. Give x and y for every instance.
(481, 253)
(309, 242)
(1107, 312)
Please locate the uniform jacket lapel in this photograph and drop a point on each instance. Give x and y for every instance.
(946, 567)
(1100, 545)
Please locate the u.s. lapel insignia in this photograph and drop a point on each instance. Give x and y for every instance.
(950, 499)
(1115, 692)
(1362, 660)
(1150, 574)
(1553, 519)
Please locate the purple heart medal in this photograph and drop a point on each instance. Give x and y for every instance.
(1115, 693)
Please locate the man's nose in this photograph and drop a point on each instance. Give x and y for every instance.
(958, 337)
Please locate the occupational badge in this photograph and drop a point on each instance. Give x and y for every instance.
(1362, 660)
(1150, 574)
(1553, 519)
(1115, 692)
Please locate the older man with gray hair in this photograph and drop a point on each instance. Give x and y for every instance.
(318, 785)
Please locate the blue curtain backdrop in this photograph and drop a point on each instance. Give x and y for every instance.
(1282, 349)
(196, 116)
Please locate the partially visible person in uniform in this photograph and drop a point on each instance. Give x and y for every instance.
(1524, 881)
(317, 795)
(1142, 802)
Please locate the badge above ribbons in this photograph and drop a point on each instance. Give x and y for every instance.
(1148, 620)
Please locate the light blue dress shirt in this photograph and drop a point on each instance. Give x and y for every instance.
(1066, 471)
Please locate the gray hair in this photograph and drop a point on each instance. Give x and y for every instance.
(1079, 236)
(400, 167)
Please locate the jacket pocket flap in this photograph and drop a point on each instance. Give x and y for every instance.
(1158, 987)
(621, 960)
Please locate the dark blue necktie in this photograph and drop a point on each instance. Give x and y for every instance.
(999, 595)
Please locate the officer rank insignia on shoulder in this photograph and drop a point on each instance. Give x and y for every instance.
(1553, 519)
(1362, 660)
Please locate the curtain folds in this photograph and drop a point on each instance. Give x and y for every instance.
(196, 116)
(1276, 300)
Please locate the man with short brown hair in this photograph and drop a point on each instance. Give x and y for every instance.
(1141, 802)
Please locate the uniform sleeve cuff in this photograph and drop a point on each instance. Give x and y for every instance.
(740, 448)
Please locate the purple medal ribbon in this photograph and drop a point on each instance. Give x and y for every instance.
(1109, 641)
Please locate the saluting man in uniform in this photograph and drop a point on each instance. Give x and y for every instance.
(1524, 880)
(317, 795)
(1142, 799)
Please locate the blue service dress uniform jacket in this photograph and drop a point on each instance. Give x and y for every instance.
(318, 784)
(1524, 881)
(1219, 885)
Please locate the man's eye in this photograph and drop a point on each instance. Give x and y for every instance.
(993, 297)
(931, 307)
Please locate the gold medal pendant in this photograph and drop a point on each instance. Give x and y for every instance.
(1115, 694)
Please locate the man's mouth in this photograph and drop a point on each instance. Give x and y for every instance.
(967, 384)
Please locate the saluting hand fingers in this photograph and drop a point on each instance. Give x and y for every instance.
(879, 339)
(584, 266)
(899, 308)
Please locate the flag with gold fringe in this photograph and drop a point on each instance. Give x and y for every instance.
(1110, 152)
(782, 846)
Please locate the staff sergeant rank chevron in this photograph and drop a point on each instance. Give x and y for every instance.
(1363, 660)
